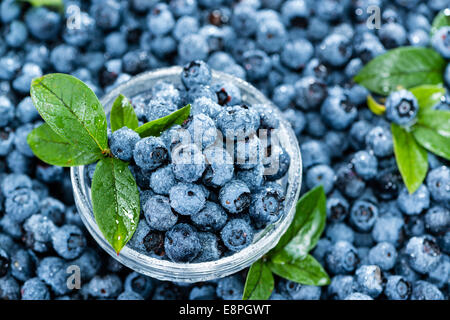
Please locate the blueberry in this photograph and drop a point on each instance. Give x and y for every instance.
(348, 182)
(337, 207)
(187, 198)
(193, 47)
(339, 231)
(136, 61)
(64, 58)
(82, 32)
(239, 121)
(206, 106)
(150, 153)
(423, 253)
(243, 20)
(363, 215)
(49, 174)
(22, 265)
(320, 175)
(4, 262)
(379, 140)
(43, 24)
(69, 241)
(16, 34)
(336, 50)
(108, 286)
(219, 167)
(235, 196)
(9, 10)
(341, 258)
(34, 289)
(184, 26)
(211, 218)
(341, 287)
(237, 234)
(295, 13)
(160, 19)
(257, 64)
(182, 243)
(440, 274)
(196, 73)
(296, 54)
(230, 288)
(129, 295)
(438, 182)
(271, 35)
(53, 209)
(267, 204)
(204, 292)
(139, 284)
(122, 143)
(227, 93)
(383, 255)
(158, 213)
(6, 111)
(401, 107)
(159, 107)
(116, 44)
(107, 14)
(437, 219)
(388, 228)
(370, 280)
(153, 243)
(276, 162)
(440, 41)
(413, 204)
(6, 140)
(386, 184)
(310, 92)
(167, 291)
(248, 153)
(358, 296)
(211, 249)
(423, 290)
(89, 263)
(358, 132)
(297, 291)
(314, 152)
(365, 164)
(202, 130)
(188, 163)
(9, 289)
(201, 91)
(52, 271)
(338, 111)
(162, 179)
(253, 177)
(21, 204)
(283, 96)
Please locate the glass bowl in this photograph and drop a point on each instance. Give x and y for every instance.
(166, 270)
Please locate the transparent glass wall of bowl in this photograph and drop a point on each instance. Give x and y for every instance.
(194, 272)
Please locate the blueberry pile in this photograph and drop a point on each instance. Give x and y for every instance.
(206, 187)
(380, 242)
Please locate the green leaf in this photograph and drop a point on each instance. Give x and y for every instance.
(306, 271)
(57, 151)
(405, 67)
(59, 4)
(122, 114)
(115, 199)
(307, 226)
(158, 126)
(72, 111)
(374, 106)
(260, 283)
(441, 20)
(432, 131)
(427, 96)
(412, 159)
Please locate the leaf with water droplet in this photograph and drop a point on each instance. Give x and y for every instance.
(115, 200)
(406, 67)
(156, 127)
(57, 151)
(123, 114)
(72, 111)
(306, 271)
(260, 282)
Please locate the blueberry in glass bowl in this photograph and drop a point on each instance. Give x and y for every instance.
(215, 204)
